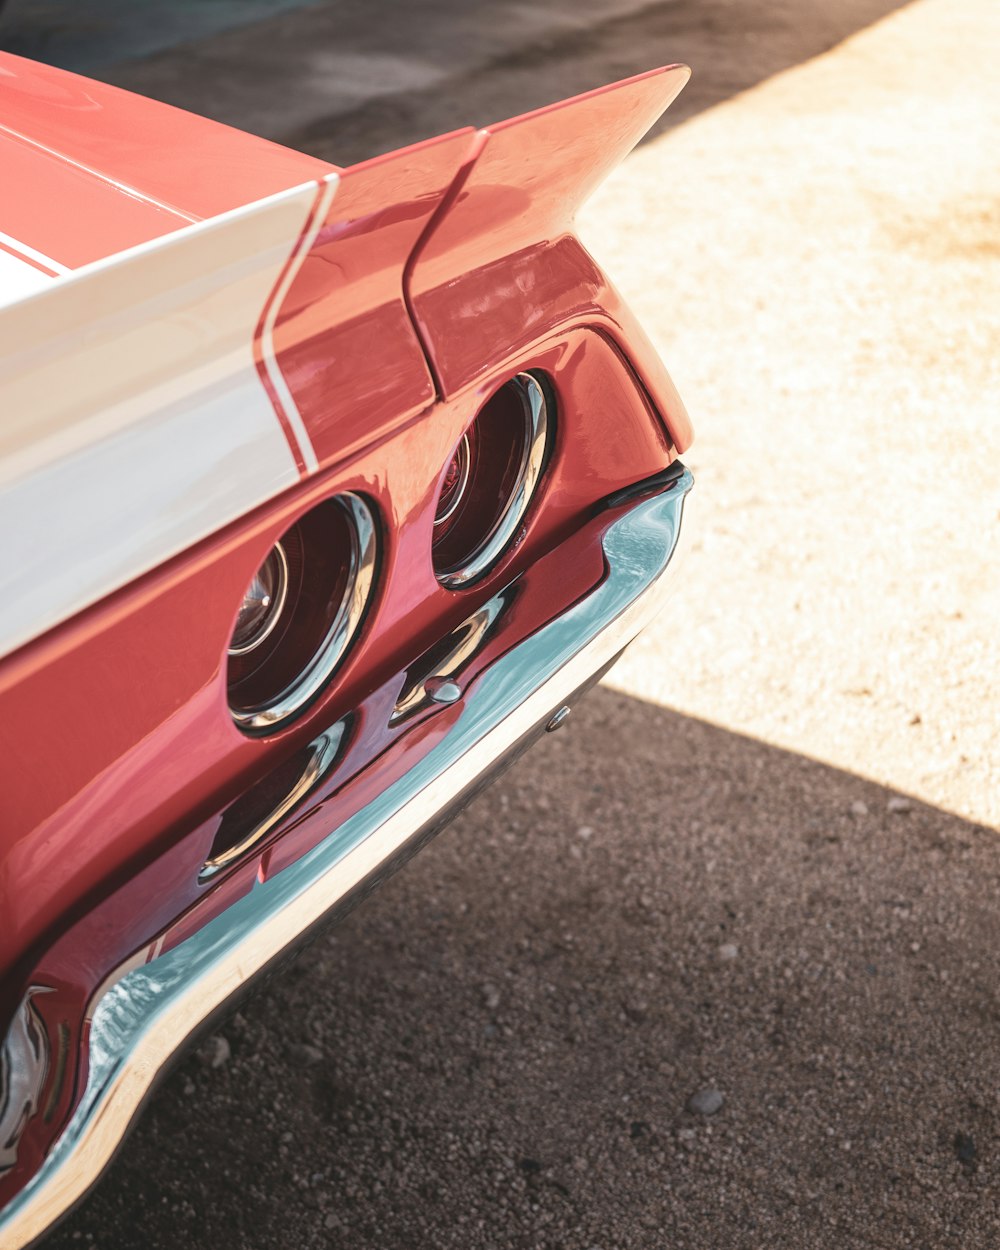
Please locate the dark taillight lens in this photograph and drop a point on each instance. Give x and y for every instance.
(300, 613)
(263, 603)
(490, 481)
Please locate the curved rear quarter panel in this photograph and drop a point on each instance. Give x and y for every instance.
(119, 718)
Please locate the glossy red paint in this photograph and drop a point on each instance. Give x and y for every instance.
(343, 337)
(104, 220)
(500, 263)
(128, 701)
(89, 169)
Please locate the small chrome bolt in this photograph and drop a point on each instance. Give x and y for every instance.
(558, 720)
(447, 692)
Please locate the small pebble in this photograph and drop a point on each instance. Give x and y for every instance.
(305, 1055)
(706, 1101)
(858, 808)
(897, 804)
(215, 1051)
(728, 950)
(491, 997)
(965, 1149)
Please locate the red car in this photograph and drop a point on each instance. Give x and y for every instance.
(324, 491)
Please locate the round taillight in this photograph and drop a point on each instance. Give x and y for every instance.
(456, 479)
(300, 613)
(490, 480)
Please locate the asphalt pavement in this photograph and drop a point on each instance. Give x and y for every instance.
(715, 965)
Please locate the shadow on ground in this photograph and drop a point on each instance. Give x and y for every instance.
(349, 80)
(498, 1049)
(730, 47)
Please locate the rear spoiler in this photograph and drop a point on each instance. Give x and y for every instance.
(433, 264)
(501, 263)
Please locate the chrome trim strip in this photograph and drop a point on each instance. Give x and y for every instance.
(465, 642)
(320, 757)
(139, 1020)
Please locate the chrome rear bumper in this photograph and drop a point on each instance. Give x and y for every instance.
(143, 1015)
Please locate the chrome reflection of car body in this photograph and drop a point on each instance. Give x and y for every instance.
(309, 767)
(145, 1015)
(24, 1066)
(425, 682)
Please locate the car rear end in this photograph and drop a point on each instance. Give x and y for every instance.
(327, 491)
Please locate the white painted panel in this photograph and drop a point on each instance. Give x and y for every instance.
(134, 420)
(18, 278)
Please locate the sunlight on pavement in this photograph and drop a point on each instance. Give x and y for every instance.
(823, 280)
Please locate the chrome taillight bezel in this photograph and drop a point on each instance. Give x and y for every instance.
(497, 533)
(314, 671)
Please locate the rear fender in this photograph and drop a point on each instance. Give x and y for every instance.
(351, 363)
(500, 266)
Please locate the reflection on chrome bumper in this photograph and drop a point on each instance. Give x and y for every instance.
(142, 1016)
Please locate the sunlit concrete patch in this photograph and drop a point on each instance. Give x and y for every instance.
(817, 260)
